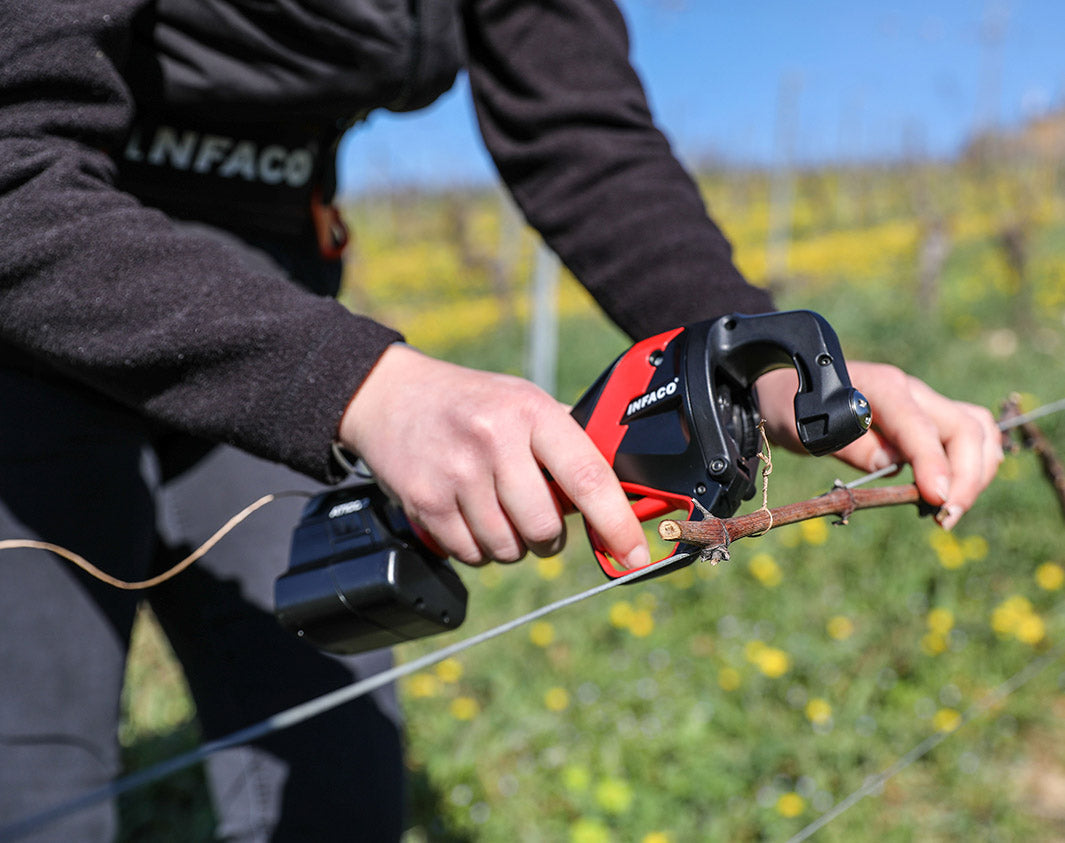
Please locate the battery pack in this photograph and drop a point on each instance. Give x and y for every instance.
(360, 579)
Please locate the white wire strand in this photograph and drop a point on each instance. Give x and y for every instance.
(302, 712)
(874, 783)
(305, 711)
(1007, 424)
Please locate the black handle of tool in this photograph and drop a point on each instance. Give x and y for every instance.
(829, 412)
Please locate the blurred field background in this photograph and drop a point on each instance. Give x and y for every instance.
(741, 702)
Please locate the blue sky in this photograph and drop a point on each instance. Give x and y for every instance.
(859, 80)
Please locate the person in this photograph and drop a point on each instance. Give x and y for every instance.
(171, 349)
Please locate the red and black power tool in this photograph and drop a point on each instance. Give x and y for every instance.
(676, 416)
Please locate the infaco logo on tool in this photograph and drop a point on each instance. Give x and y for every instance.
(649, 399)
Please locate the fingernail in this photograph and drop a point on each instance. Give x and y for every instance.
(943, 487)
(638, 558)
(949, 515)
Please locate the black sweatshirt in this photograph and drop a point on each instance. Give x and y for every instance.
(98, 285)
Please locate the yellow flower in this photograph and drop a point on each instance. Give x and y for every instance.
(576, 778)
(1030, 629)
(728, 678)
(549, 568)
(614, 795)
(587, 830)
(656, 837)
(1050, 576)
(541, 633)
(974, 547)
(464, 708)
(557, 699)
(449, 670)
(940, 620)
(765, 569)
(621, 614)
(946, 720)
(642, 623)
(753, 650)
(947, 548)
(934, 643)
(840, 628)
(773, 662)
(814, 531)
(818, 710)
(790, 804)
(1015, 616)
(423, 685)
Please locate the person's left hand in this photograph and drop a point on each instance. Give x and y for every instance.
(954, 447)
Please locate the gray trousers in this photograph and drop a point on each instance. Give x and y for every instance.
(78, 471)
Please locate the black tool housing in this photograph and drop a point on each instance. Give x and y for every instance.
(359, 578)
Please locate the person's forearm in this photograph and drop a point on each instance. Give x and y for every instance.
(566, 120)
(107, 292)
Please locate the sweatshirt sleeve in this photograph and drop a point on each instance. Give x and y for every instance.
(111, 294)
(565, 118)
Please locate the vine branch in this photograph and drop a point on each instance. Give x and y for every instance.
(715, 534)
(1034, 439)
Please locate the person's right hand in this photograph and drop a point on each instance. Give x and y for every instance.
(464, 452)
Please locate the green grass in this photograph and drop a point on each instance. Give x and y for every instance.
(740, 702)
(650, 742)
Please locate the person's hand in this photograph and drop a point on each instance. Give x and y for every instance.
(464, 452)
(954, 447)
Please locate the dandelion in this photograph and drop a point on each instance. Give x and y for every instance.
(541, 633)
(947, 548)
(587, 830)
(557, 699)
(642, 623)
(940, 620)
(773, 662)
(1015, 616)
(946, 720)
(934, 643)
(840, 628)
(576, 778)
(765, 569)
(614, 795)
(621, 614)
(1050, 576)
(449, 670)
(656, 837)
(464, 708)
(423, 685)
(818, 711)
(814, 531)
(549, 568)
(729, 679)
(790, 804)
(1030, 629)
